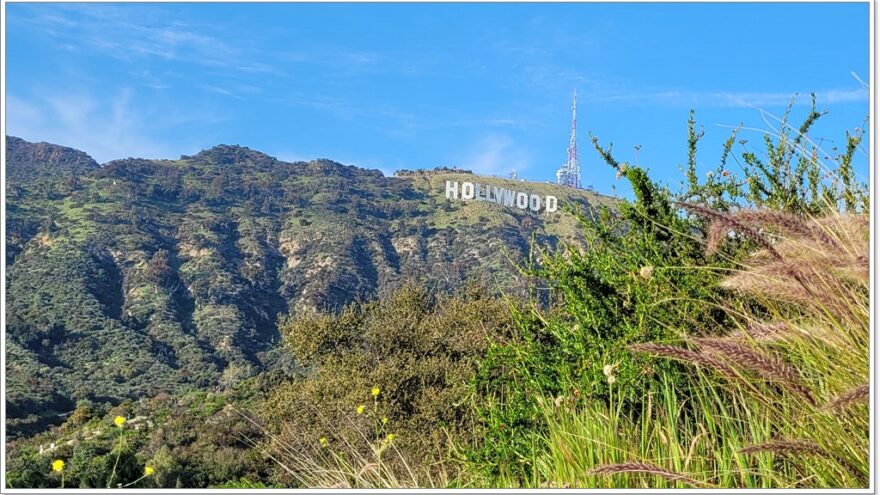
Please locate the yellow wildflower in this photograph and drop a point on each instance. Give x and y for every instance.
(375, 391)
(360, 409)
(57, 465)
(385, 420)
(390, 437)
(119, 421)
(148, 470)
(323, 441)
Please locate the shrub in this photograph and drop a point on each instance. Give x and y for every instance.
(779, 402)
(417, 350)
(633, 281)
(643, 276)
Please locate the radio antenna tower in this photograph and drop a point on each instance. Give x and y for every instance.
(569, 174)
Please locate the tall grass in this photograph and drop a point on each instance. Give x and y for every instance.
(371, 456)
(780, 401)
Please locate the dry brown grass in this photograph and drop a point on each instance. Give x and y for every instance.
(767, 365)
(856, 394)
(643, 467)
(809, 338)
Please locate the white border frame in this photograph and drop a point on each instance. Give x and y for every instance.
(873, 249)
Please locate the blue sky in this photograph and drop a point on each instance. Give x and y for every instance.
(389, 86)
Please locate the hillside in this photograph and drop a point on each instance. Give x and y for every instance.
(142, 276)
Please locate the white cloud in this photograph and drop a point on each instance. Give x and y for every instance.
(715, 99)
(136, 33)
(384, 118)
(843, 95)
(222, 91)
(496, 154)
(133, 34)
(105, 128)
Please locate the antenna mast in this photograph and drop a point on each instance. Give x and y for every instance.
(569, 174)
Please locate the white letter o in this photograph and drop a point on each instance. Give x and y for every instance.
(467, 190)
(534, 202)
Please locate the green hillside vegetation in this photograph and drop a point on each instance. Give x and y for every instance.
(139, 277)
(717, 336)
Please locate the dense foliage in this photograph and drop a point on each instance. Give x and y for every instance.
(139, 277)
(780, 400)
(194, 439)
(644, 275)
(397, 366)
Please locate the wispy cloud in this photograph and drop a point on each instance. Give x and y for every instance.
(221, 91)
(495, 154)
(391, 120)
(519, 120)
(233, 90)
(151, 80)
(107, 128)
(716, 99)
(134, 34)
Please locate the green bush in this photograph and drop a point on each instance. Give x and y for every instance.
(417, 349)
(643, 275)
(779, 402)
(191, 440)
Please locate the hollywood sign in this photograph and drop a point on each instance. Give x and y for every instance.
(471, 191)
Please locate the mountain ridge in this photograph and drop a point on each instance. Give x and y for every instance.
(51, 159)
